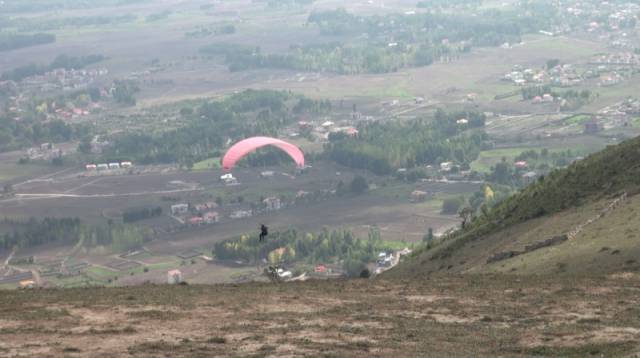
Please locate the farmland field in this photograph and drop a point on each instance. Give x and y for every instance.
(174, 83)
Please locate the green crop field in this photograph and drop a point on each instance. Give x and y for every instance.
(207, 164)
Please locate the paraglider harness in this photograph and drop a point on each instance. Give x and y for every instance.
(264, 231)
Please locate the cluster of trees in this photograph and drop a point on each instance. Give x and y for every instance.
(133, 215)
(285, 3)
(383, 147)
(529, 93)
(419, 40)
(358, 186)
(505, 173)
(12, 41)
(18, 6)
(27, 24)
(570, 95)
(575, 99)
(124, 91)
(218, 30)
(34, 232)
(158, 16)
(62, 61)
(307, 105)
(332, 57)
(27, 132)
(209, 126)
(431, 4)
(68, 231)
(292, 246)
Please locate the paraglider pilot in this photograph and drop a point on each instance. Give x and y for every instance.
(264, 231)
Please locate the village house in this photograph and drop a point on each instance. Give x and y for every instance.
(196, 220)
(302, 194)
(211, 217)
(179, 209)
(591, 127)
(228, 179)
(446, 166)
(418, 196)
(328, 124)
(521, 164)
(350, 131)
(204, 207)
(529, 177)
(27, 284)
(272, 203)
(239, 214)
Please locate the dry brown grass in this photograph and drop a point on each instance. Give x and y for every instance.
(467, 315)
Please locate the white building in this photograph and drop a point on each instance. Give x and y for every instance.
(179, 209)
(272, 203)
(239, 214)
(228, 179)
(211, 217)
(446, 166)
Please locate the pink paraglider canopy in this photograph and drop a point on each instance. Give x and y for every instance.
(246, 146)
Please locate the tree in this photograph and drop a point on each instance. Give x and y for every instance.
(552, 63)
(428, 238)
(465, 213)
(359, 185)
(354, 267)
(85, 145)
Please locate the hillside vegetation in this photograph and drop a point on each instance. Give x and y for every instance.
(576, 197)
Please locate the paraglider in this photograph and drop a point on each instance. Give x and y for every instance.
(246, 146)
(264, 231)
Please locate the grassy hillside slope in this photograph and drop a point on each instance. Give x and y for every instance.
(452, 316)
(553, 206)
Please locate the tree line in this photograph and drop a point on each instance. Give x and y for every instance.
(68, 231)
(29, 131)
(419, 40)
(133, 215)
(29, 24)
(13, 41)
(383, 147)
(291, 246)
(211, 125)
(48, 5)
(62, 61)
